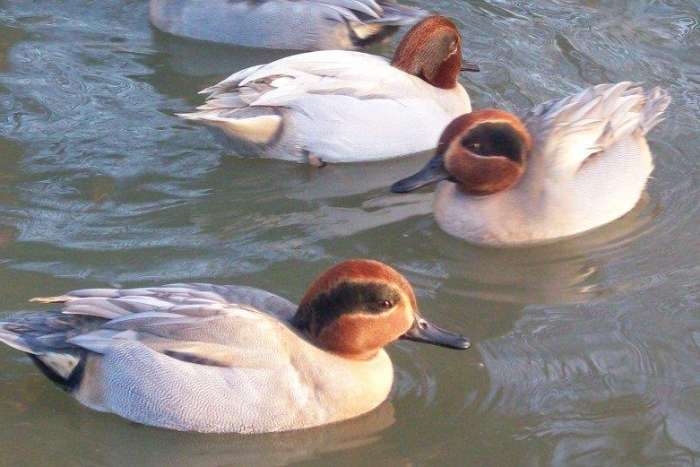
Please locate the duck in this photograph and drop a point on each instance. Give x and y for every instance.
(229, 359)
(571, 165)
(284, 24)
(340, 106)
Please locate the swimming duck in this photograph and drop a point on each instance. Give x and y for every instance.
(210, 358)
(572, 165)
(344, 106)
(284, 24)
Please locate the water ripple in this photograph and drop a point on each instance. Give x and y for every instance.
(588, 349)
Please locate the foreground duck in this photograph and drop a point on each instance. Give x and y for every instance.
(284, 24)
(208, 358)
(344, 106)
(573, 164)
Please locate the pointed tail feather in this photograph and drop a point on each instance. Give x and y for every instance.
(14, 340)
(44, 337)
(46, 300)
(370, 30)
(399, 15)
(657, 101)
(255, 129)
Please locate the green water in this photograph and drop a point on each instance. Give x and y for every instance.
(587, 351)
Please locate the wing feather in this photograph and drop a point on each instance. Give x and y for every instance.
(280, 83)
(196, 323)
(289, 89)
(568, 131)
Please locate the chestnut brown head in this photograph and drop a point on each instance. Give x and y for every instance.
(432, 50)
(484, 152)
(359, 306)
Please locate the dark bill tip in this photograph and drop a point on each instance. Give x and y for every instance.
(404, 186)
(426, 332)
(434, 171)
(470, 66)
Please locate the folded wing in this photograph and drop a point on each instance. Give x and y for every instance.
(568, 131)
(195, 323)
(249, 104)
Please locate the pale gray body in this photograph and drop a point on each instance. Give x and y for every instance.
(197, 357)
(589, 165)
(284, 24)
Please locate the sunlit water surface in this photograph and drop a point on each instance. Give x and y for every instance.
(588, 350)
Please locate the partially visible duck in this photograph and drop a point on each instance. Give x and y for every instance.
(284, 24)
(209, 358)
(344, 106)
(573, 164)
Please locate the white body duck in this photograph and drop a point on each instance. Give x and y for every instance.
(573, 165)
(344, 106)
(284, 24)
(208, 358)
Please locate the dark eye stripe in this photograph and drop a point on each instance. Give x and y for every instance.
(351, 297)
(494, 139)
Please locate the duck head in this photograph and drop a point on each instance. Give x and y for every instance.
(484, 152)
(432, 50)
(359, 306)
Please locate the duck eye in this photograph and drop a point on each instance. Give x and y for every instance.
(470, 143)
(386, 304)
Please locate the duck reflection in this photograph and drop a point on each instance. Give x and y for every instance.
(319, 204)
(567, 271)
(179, 68)
(114, 442)
(196, 58)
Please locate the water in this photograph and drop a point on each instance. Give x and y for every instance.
(588, 350)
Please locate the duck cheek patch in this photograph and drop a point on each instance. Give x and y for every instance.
(363, 334)
(485, 176)
(350, 334)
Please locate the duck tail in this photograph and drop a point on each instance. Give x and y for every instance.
(657, 100)
(43, 336)
(399, 15)
(253, 128)
(373, 30)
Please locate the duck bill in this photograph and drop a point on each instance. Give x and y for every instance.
(433, 172)
(426, 332)
(469, 66)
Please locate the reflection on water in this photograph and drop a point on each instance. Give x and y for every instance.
(185, 57)
(627, 387)
(588, 349)
(106, 440)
